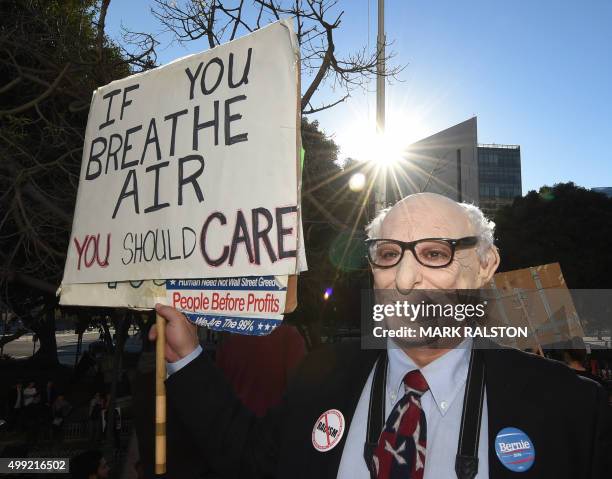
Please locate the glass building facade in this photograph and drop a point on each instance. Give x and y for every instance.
(499, 176)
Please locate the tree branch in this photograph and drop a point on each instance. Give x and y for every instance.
(325, 107)
(11, 84)
(40, 98)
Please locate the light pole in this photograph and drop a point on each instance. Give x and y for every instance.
(381, 187)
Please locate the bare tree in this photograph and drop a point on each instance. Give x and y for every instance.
(317, 22)
(53, 54)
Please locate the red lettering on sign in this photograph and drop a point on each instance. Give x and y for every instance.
(88, 251)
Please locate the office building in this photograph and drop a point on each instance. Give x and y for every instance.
(453, 164)
(499, 176)
(445, 163)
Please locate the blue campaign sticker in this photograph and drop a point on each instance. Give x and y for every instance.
(514, 449)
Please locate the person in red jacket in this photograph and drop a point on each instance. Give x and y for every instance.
(258, 367)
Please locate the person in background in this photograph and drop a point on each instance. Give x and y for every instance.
(50, 394)
(59, 412)
(259, 367)
(16, 405)
(117, 422)
(575, 358)
(30, 395)
(32, 412)
(89, 465)
(95, 417)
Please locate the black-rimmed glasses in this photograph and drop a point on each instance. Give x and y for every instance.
(430, 252)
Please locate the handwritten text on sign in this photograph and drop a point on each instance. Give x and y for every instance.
(190, 170)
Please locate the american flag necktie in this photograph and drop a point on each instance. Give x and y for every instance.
(400, 453)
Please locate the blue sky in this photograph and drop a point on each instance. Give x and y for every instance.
(536, 73)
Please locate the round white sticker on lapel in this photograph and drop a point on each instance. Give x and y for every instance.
(328, 430)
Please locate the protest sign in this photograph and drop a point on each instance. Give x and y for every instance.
(190, 170)
(536, 298)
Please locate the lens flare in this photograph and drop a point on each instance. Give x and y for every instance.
(357, 182)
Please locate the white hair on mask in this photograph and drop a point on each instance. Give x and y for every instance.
(483, 227)
(374, 228)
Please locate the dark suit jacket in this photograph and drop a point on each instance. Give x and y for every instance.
(567, 417)
(183, 460)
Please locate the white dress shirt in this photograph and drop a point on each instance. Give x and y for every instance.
(442, 404)
(176, 366)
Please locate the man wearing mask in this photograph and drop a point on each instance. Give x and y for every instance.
(513, 423)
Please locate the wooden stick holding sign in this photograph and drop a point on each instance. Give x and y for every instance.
(160, 396)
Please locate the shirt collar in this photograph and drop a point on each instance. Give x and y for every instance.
(445, 376)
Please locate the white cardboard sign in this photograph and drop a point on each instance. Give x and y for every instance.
(190, 170)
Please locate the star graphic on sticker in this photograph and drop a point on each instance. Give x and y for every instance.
(267, 327)
(259, 326)
(172, 282)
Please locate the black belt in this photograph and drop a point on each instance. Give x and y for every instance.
(466, 462)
